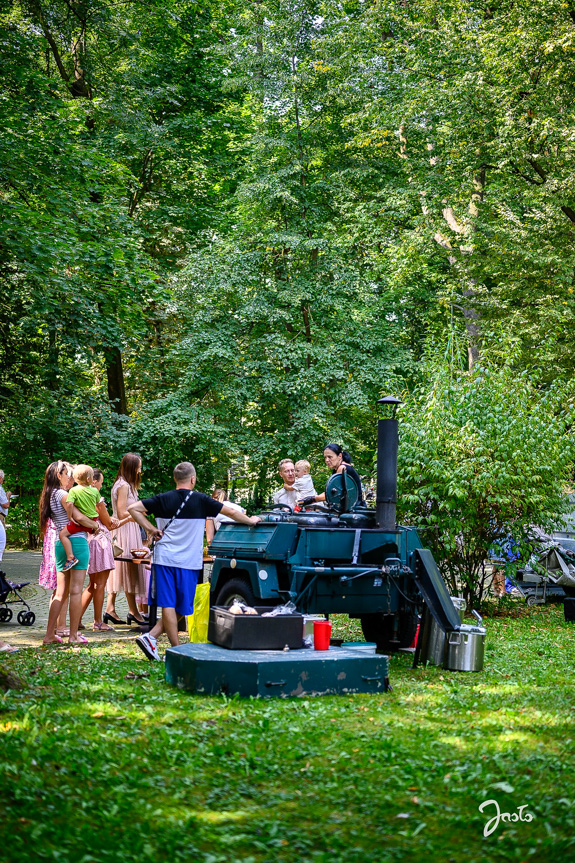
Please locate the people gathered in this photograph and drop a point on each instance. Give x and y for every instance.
(81, 538)
(298, 488)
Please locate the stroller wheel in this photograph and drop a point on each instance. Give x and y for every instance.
(28, 618)
(23, 618)
(5, 615)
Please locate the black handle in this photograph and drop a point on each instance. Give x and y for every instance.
(277, 683)
(370, 679)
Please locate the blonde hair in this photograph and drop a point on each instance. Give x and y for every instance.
(83, 474)
(303, 463)
(284, 461)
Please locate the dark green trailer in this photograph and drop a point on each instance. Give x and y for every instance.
(338, 558)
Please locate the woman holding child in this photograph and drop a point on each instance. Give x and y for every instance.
(127, 576)
(101, 558)
(54, 505)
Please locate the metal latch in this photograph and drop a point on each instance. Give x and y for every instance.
(356, 541)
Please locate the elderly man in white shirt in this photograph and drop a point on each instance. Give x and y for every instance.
(287, 494)
(4, 504)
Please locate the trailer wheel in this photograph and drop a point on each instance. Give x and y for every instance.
(379, 628)
(235, 588)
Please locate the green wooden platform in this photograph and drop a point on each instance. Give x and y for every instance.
(210, 670)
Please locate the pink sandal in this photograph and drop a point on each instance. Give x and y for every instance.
(55, 640)
(102, 627)
(79, 640)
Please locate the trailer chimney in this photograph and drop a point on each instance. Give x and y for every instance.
(387, 444)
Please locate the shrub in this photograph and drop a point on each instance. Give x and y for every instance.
(483, 455)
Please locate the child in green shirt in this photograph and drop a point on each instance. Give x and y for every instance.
(85, 497)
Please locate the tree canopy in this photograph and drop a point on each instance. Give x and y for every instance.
(228, 228)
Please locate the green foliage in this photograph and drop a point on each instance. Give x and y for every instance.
(483, 455)
(473, 106)
(166, 774)
(258, 217)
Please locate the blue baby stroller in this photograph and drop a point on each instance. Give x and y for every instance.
(9, 595)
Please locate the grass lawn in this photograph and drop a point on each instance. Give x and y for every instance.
(102, 761)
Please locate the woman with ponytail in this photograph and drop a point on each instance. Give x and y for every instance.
(338, 460)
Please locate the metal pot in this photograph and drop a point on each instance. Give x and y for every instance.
(465, 648)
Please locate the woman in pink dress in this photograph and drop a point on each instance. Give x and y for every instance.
(127, 576)
(47, 576)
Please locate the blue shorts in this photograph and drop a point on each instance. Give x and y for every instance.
(175, 587)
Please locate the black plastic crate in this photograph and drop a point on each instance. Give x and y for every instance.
(254, 632)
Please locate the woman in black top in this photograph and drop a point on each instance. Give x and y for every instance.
(339, 460)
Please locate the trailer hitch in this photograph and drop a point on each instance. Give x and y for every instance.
(394, 566)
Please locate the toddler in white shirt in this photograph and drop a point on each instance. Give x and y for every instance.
(303, 483)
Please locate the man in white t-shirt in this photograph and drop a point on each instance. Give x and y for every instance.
(178, 554)
(287, 494)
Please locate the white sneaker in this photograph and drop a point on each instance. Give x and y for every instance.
(148, 645)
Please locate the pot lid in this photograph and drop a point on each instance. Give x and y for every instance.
(341, 492)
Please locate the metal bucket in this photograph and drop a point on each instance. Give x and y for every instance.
(465, 648)
(435, 653)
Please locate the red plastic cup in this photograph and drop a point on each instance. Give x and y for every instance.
(321, 634)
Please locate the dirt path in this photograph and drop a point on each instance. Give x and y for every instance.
(22, 566)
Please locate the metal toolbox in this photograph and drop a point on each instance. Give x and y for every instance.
(206, 669)
(254, 632)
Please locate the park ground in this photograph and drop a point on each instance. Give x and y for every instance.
(102, 761)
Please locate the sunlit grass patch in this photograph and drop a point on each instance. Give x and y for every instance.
(102, 761)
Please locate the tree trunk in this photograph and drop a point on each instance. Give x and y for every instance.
(116, 387)
(52, 360)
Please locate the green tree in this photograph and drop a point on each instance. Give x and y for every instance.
(473, 104)
(284, 336)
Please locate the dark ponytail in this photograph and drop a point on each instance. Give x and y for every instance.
(335, 447)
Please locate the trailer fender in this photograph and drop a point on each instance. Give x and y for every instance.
(261, 575)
